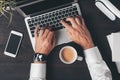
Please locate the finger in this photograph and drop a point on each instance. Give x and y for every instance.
(46, 32)
(77, 19)
(67, 26)
(36, 32)
(79, 22)
(73, 22)
(41, 32)
(50, 35)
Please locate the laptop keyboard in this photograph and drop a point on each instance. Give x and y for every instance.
(52, 19)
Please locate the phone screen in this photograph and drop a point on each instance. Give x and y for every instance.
(13, 43)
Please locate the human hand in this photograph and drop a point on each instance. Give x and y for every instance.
(45, 41)
(78, 32)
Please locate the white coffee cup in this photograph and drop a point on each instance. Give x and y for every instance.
(68, 55)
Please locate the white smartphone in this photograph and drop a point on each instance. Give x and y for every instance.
(13, 43)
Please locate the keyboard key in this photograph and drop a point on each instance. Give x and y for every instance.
(73, 13)
(29, 21)
(50, 15)
(69, 14)
(64, 12)
(32, 20)
(60, 12)
(74, 9)
(31, 25)
(76, 12)
(39, 23)
(45, 21)
(35, 24)
(51, 23)
(52, 18)
(57, 25)
(39, 18)
(36, 19)
(46, 16)
(42, 21)
(57, 13)
(32, 28)
(49, 19)
(32, 35)
(44, 25)
(58, 21)
(66, 15)
(54, 21)
(55, 17)
(32, 31)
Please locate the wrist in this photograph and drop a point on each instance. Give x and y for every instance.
(40, 58)
(91, 45)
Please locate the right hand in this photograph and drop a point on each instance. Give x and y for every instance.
(78, 32)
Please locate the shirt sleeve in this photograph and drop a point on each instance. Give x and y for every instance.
(96, 65)
(38, 71)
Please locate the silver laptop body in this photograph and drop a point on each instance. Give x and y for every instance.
(39, 9)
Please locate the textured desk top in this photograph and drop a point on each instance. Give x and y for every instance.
(18, 68)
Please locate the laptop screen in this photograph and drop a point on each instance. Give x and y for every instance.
(43, 5)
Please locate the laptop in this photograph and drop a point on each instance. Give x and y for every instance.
(48, 13)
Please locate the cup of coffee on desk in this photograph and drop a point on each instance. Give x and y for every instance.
(68, 55)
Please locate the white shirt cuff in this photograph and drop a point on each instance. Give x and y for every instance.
(92, 55)
(38, 71)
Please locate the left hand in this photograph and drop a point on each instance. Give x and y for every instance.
(45, 41)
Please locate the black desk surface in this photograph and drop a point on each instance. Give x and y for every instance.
(18, 68)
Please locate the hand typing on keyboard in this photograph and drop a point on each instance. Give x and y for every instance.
(78, 32)
(44, 40)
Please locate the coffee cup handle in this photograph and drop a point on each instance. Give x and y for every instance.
(79, 58)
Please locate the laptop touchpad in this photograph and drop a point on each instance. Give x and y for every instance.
(62, 36)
